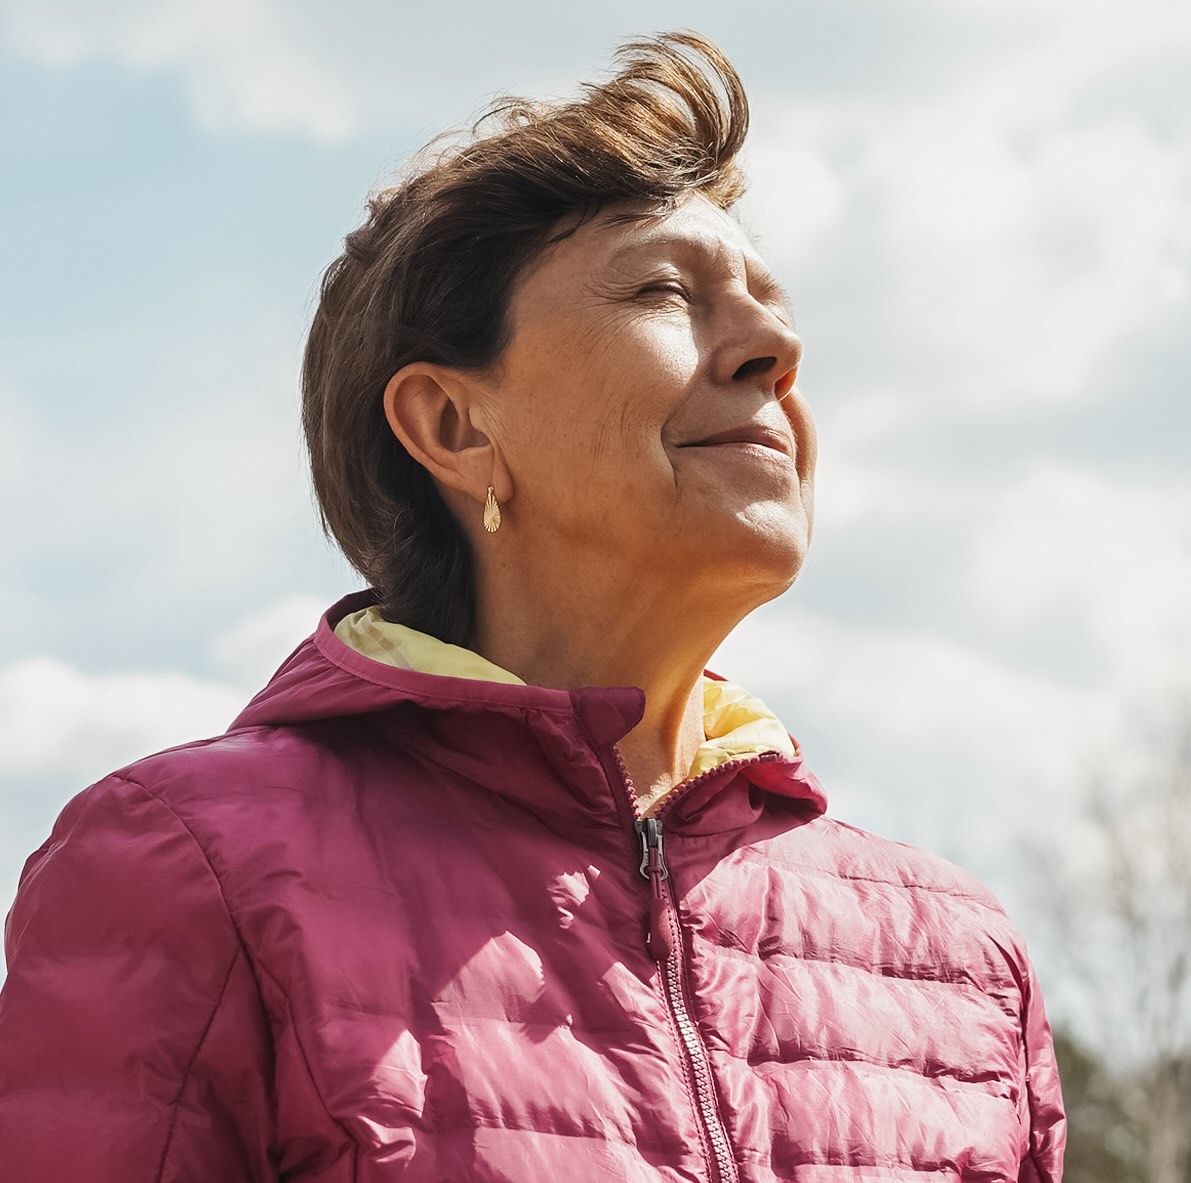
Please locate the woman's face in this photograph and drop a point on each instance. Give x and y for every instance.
(631, 341)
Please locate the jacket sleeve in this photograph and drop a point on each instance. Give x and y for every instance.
(133, 1041)
(1046, 1120)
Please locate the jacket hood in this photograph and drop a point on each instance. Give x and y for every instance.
(357, 664)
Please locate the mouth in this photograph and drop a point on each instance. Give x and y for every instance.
(751, 437)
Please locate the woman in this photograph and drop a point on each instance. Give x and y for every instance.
(494, 880)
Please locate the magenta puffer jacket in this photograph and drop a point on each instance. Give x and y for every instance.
(394, 925)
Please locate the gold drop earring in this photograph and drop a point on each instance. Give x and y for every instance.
(491, 512)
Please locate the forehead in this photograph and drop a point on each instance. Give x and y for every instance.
(695, 227)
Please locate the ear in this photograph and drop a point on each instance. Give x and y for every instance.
(434, 413)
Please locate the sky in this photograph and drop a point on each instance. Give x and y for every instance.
(982, 212)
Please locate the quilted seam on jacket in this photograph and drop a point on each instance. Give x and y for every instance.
(392, 926)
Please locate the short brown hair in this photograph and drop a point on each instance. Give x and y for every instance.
(429, 274)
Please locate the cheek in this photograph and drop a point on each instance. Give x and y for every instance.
(569, 453)
(602, 474)
(610, 428)
(595, 408)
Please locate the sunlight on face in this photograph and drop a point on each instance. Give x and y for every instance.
(632, 341)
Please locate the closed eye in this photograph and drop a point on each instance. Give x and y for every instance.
(677, 289)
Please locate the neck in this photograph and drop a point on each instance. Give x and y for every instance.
(565, 626)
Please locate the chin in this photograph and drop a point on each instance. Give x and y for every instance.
(770, 556)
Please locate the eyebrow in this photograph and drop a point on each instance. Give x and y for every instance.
(766, 280)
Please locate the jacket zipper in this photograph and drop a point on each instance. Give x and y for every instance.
(665, 944)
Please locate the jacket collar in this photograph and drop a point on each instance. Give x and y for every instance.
(552, 731)
(735, 722)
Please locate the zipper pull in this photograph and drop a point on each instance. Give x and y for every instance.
(653, 867)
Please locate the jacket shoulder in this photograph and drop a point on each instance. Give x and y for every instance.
(260, 757)
(125, 964)
(856, 853)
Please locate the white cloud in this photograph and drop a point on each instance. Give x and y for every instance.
(1068, 548)
(797, 195)
(932, 719)
(17, 435)
(861, 477)
(195, 477)
(1002, 238)
(1025, 270)
(57, 720)
(252, 650)
(241, 64)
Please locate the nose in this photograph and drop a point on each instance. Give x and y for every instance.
(773, 352)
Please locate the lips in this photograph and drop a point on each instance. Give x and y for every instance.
(749, 433)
